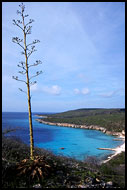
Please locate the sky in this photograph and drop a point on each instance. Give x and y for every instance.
(82, 49)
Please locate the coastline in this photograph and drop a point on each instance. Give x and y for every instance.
(41, 116)
(117, 150)
(92, 127)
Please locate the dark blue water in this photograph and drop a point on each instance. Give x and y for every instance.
(78, 143)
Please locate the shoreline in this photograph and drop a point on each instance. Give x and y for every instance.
(41, 116)
(117, 150)
(92, 127)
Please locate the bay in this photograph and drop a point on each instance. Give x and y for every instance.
(77, 143)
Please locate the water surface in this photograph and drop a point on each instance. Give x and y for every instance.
(77, 143)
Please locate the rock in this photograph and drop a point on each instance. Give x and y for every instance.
(109, 183)
(104, 131)
(102, 184)
(81, 186)
(59, 172)
(123, 132)
(37, 185)
(72, 186)
(89, 180)
(97, 180)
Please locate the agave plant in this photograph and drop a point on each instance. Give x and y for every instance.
(37, 168)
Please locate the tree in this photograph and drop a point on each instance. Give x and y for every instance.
(27, 50)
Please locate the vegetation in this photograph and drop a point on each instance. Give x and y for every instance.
(111, 119)
(56, 171)
(42, 168)
(50, 171)
(27, 50)
(114, 170)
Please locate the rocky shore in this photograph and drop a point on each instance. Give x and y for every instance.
(91, 127)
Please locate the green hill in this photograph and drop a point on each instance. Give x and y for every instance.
(87, 112)
(111, 119)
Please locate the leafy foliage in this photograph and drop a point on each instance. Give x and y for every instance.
(37, 168)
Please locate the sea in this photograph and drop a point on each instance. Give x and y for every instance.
(75, 143)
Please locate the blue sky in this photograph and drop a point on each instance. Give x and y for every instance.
(82, 48)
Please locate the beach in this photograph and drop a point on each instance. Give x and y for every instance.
(117, 151)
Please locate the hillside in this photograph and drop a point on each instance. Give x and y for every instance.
(65, 172)
(111, 119)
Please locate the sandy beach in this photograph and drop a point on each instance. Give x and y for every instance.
(117, 150)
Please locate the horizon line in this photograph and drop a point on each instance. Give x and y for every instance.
(61, 111)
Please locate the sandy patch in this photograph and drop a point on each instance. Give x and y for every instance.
(117, 150)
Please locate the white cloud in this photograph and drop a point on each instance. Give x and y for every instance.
(34, 87)
(112, 93)
(83, 91)
(107, 95)
(54, 89)
(76, 91)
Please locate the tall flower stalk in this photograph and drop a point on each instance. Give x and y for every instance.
(27, 50)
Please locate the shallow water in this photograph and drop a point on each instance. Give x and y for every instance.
(77, 143)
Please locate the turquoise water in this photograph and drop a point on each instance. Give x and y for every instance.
(77, 143)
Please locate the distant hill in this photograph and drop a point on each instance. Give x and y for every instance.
(111, 119)
(86, 112)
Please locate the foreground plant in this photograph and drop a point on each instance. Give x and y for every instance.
(34, 169)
